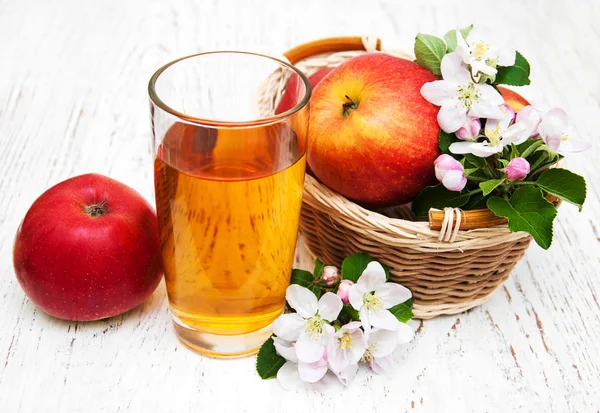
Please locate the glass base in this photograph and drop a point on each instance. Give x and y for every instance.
(219, 346)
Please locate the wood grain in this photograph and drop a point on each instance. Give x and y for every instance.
(73, 78)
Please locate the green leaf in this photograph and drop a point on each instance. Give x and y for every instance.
(429, 51)
(470, 171)
(305, 279)
(528, 147)
(402, 312)
(488, 186)
(444, 141)
(450, 37)
(437, 197)
(348, 314)
(527, 211)
(476, 201)
(302, 277)
(319, 265)
(476, 161)
(354, 265)
(565, 185)
(515, 75)
(268, 362)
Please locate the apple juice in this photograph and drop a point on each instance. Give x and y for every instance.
(228, 204)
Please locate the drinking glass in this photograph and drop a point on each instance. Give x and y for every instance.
(228, 174)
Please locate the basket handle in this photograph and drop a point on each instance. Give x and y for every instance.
(329, 45)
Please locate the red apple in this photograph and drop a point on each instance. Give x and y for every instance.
(87, 249)
(513, 99)
(372, 136)
(292, 90)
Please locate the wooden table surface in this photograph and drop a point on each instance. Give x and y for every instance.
(73, 76)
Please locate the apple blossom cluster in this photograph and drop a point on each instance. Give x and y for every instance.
(498, 154)
(335, 325)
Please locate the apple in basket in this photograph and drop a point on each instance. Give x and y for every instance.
(87, 249)
(372, 137)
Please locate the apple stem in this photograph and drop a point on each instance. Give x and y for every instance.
(96, 210)
(348, 107)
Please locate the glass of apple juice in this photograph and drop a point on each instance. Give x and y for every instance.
(228, 182)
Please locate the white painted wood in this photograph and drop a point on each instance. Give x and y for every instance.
(73, 78)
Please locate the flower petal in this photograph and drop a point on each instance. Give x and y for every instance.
(384, 342)
(382, 365)
(288, 326)
(571, 145)
(347, 375)
(330, 306)
(454, 181)
(358, 347)
(329, 384)
(506, 56)
(517, 133)
(337, 358)
(553, 123)
(438, 92)
(285, 349)
(491, 95)
(308, 349)
(553, 142)
(482, 149)
(364, 315)
(453, 70)
(383, 319)
(352, 325)
(355, 297)
(288, 376)
(302, 300)
(451, 117)
(392, 294)
(372, 277)
(311, 372)
(405, 333)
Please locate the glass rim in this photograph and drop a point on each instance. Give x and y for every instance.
(156, 100)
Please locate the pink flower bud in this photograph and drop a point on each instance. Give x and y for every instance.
(517, 169)
(450, 173)
(330, 275)
(470, 130)
(344, 290)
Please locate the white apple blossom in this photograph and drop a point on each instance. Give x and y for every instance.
(483, 52)
(499, 133)
(553, 128)
(309, 327)
(460, 98)
(380, 345)
(346, 347)
(372, 296)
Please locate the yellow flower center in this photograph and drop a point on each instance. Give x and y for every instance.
(368, 354)
(467, 94)
(314, 327)
(493, 135)
(479, 49)
(564, 137)
(372, 302)
(345, 341)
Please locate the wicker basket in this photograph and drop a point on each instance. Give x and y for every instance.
(449, 270)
